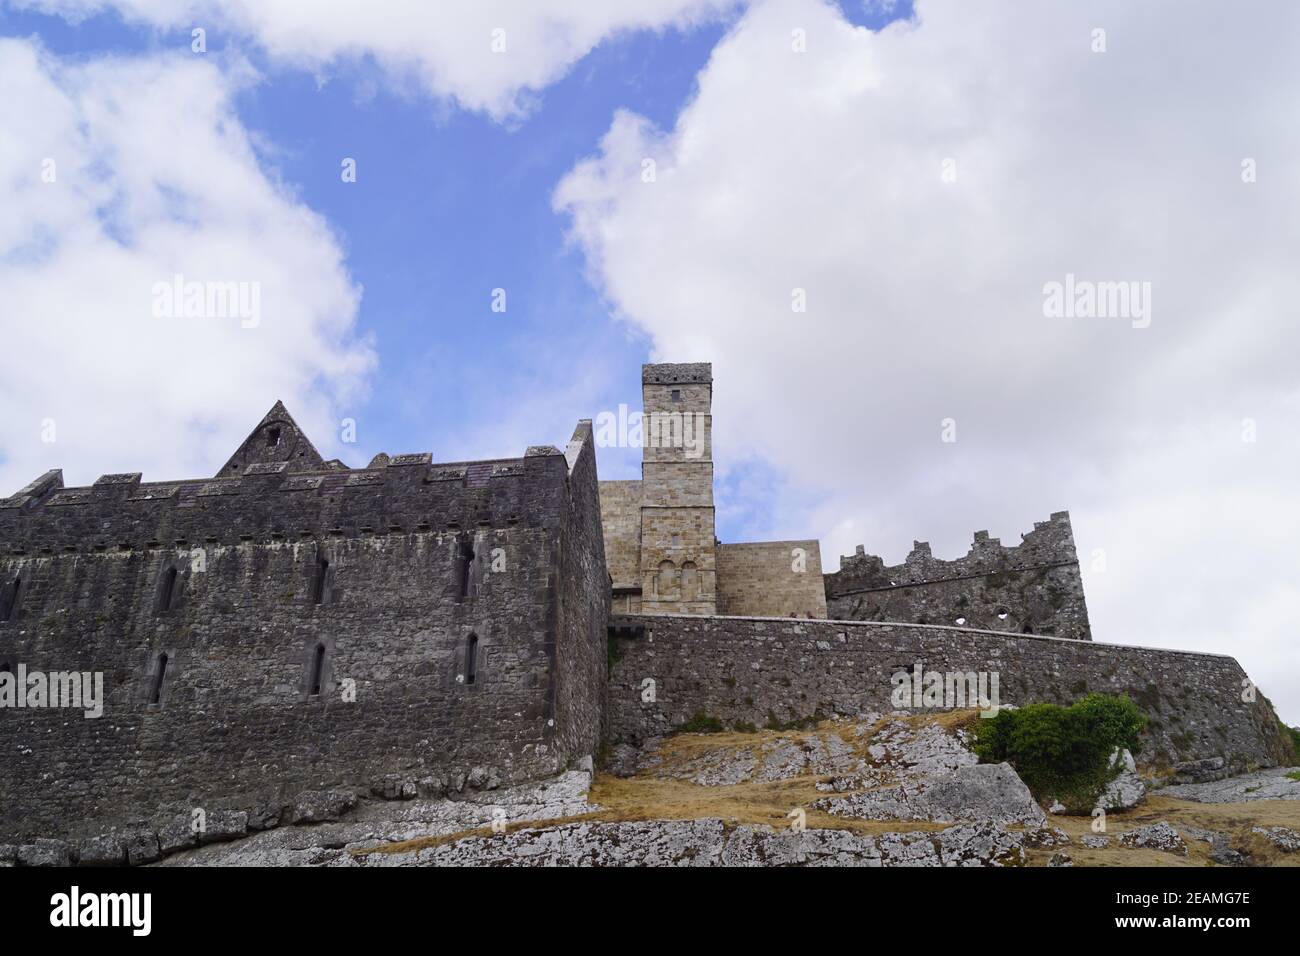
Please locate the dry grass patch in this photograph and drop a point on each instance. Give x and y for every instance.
(756, 803)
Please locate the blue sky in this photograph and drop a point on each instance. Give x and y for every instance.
(449, 205)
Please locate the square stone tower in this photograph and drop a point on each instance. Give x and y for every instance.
(678, 568)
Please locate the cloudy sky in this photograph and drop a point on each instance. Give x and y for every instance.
(852, 209)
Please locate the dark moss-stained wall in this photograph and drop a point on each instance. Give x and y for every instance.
(373, 566)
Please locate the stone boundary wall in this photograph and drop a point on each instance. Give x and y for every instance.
(774, 672)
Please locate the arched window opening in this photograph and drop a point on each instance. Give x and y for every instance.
(167, 589)
(160, 673)
(1027, 629)
(318, 581)
(471, 659)
(317, 671)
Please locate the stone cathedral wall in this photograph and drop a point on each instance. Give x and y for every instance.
(433, 574)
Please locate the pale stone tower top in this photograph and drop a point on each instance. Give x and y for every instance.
(677, 373)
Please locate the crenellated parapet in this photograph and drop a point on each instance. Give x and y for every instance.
(1033, 587)
(268, 501)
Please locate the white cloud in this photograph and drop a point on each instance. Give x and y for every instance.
(485, 55)
(153, 176)
(823, 171)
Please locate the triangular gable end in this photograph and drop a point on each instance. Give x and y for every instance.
(276, 439)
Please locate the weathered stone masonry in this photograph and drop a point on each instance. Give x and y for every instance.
(409, 576)
(660, 535)
(1032, 588)
(778, 672)
(292, 633)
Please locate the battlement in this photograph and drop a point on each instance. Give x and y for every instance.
(278, 500)
(1050, 543)
(677, 373)
(1034, 587)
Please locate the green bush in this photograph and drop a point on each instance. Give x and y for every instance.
(1062, 753)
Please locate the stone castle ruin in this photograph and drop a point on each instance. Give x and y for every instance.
(291, 635)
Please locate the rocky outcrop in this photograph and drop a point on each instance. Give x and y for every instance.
(1284, 838)
(371, 824)
(991, 793)
(1126, 790)
(1155, 836)
(709, 842)
(1263, 785)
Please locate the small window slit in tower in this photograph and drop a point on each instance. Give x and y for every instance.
(318, 581)
(155, 693)
(167, 593)
(471, 659)
(317, 670)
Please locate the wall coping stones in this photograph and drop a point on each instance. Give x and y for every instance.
(79, 496)
(419, 458)
(125, 478)
(222, 486)
(621, 620)
(155, 493)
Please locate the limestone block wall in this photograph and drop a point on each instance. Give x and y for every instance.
(620, 515)
(771, 579)
(1033, 588)
(778, 672)
(678, 561)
